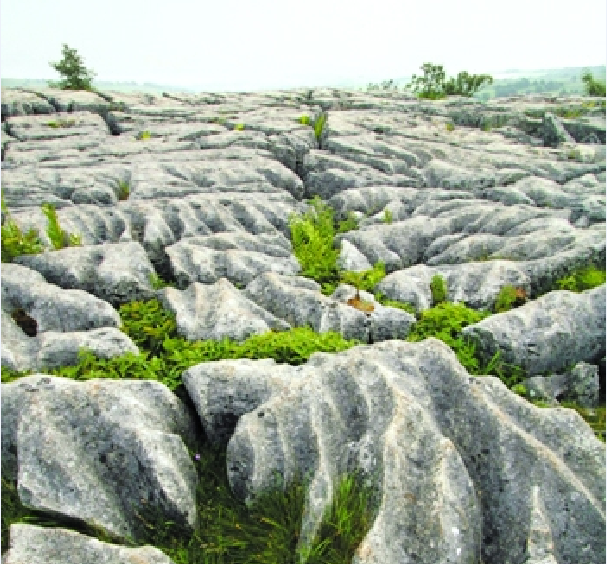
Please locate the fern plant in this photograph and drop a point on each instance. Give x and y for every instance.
(59, 238)
(438, 289)
(16, 243)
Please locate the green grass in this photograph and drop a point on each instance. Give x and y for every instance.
(239, 127)
(143, 135)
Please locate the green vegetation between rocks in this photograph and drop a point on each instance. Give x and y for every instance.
(584, 279)
(16, 243)
(144, 135)
(438, 289)
(124, 190)
(61, 123)
(267, 531)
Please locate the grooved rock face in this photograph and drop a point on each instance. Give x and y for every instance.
(460, 465)
(460, 468)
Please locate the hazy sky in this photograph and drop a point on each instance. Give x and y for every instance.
(266, 44)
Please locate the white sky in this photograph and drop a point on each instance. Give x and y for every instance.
(245, 45)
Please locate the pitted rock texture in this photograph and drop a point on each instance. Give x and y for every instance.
(463, 469)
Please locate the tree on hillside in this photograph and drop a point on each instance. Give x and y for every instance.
(71, 67)
(593, 87)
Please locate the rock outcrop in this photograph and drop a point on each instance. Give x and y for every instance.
(463, 469)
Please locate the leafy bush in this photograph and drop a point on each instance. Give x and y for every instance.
(581, 280)
(143, 135)
(445, 322)
(387, 216)
(449, 127)
(239, 127)
(365, 279)
(304, 120)
(507, 297)
(148, 324)
(593, 87)
(312, 240)
(433, 86)
(438, 289)
(71, 67)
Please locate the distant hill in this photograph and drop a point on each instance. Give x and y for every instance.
(511, 82)
(146, 87)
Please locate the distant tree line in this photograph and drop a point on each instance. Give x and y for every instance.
(432, 85)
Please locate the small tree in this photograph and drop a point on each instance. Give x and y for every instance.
(77, 77)
(593, 87)
(433, 85)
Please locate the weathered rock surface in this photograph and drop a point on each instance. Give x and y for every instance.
(463, 469)
(464, 452)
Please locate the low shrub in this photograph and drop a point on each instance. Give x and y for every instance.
(312, 239)
(387, 216)
(143, 135)
(304, 120)
(148, 324)
(508, 297)
(438, 288)
(449, 127)
(124, 190)
(239, 127)
(593, 87)
(581, 280)
(365, 279)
